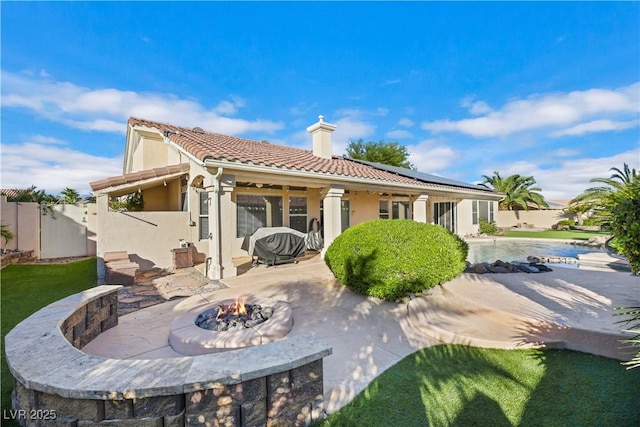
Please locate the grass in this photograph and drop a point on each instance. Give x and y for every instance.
(455, 385)
(556, 234)
(24, 289)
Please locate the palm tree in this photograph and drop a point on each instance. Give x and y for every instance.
(599, 198)
(71, 196)
(7, 235)
(579, 210)
(33, 195)
(46, 201)
(518, 191)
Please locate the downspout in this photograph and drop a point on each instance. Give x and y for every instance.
(214, 209)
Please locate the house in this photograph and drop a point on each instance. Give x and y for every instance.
(213, 190)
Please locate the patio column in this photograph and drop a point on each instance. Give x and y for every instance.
(221, 229)
(332, 212)
(421, 208)
(227, 225)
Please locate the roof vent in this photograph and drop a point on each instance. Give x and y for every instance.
(198, 129)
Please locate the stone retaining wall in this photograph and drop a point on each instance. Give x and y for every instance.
(90, 320)
(277, 384)
(17, 257)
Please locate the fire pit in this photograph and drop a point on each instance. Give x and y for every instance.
(234, 316)
(230, 324)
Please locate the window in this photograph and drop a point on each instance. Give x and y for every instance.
(482, 209)
(345, 214)
(184, 195)
(204, 215)
(444, 214)
(384, 209)
(298, 213)
(257, 211)
(400, 210)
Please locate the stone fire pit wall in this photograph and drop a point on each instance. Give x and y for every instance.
(55, 383)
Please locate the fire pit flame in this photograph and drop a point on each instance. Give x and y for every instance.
(235, 315)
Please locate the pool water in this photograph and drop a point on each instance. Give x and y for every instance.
(519, 250)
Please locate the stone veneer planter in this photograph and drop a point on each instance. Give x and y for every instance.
(55, 383)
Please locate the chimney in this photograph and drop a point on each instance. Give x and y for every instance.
(321, 133)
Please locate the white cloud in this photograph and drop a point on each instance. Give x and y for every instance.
(571, 177)
(565, 152)
(230, 107)
(52, 167)
(406, 122)
(480, 107)
(399, 134)
(597, 126)
(107, 110)
(42, 139)
(544, 111)
(475, 107)
(429, 156)
(348, 129)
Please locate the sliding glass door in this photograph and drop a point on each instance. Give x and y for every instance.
(444, 214)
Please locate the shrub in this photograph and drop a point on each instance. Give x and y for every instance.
(590, 222)
(625, 222)
(566, 222)
(389, 258)
(488, 227)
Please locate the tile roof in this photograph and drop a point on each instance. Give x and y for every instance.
(13, 192)
(138, 176)
(209, 145)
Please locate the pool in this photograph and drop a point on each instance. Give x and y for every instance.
(519, 250)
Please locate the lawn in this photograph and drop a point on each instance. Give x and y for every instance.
(24, 289)
(556, 234)
(455, 385)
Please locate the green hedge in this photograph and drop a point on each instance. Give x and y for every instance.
(389, 258)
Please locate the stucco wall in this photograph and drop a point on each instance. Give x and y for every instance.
(92, 228)
(465, 218)
(64, 234)
(22, 220)
(163, 198)
(364, 206)
(148, 237)
(535, 219)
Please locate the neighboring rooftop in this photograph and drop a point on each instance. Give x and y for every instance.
(13, 192)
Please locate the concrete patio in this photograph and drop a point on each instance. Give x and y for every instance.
(368, 335)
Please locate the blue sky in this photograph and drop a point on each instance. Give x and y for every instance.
(543, 89)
